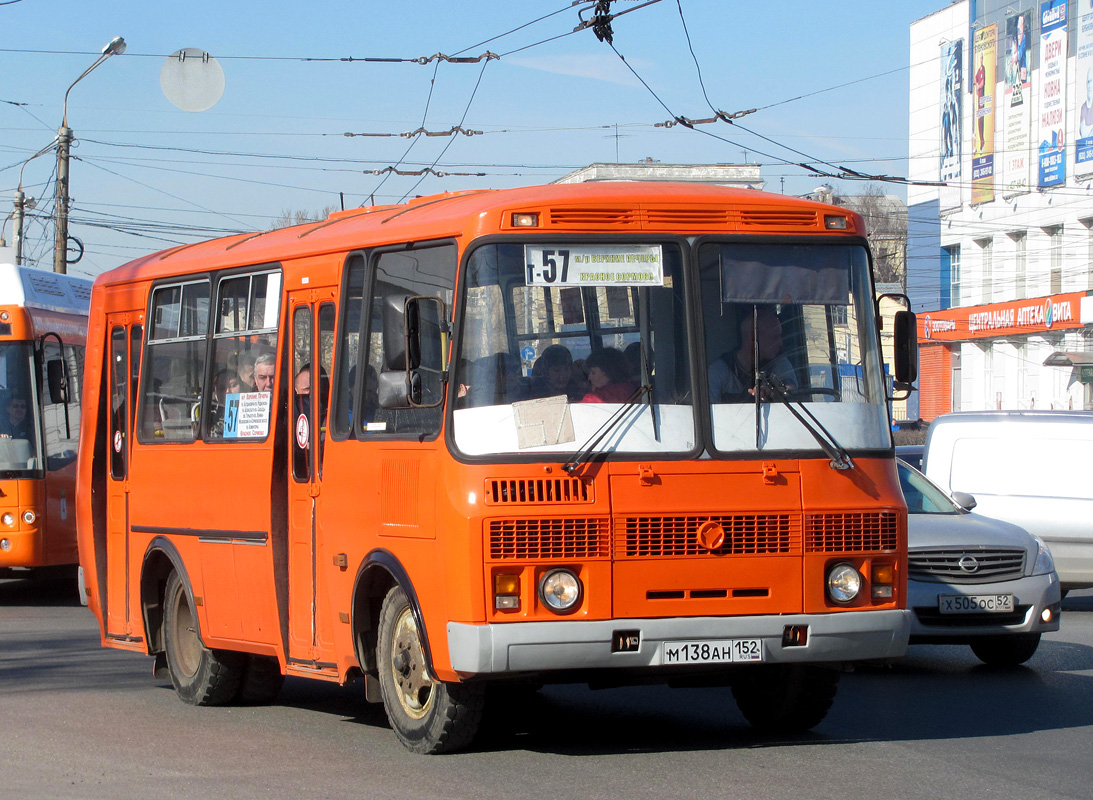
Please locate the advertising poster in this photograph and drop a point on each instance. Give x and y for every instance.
(985, 63)
(1017, 105)
(1052, 147)
(952, 70)
(1083, 85)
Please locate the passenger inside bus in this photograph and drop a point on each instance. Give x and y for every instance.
(609, 377)
(732, 376)
(15, 424)
(265, 367)
(226, 382)
(496, 380)
(554, 374)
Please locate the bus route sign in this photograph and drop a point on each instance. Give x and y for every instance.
(578, 264)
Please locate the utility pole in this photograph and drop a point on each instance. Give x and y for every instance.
(20, 205)
(60, 241)
(116, 46)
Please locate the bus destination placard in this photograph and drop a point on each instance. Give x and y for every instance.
(594, 264)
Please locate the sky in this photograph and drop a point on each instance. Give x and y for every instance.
(829, 82)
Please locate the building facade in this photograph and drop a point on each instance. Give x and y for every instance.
(1000, 225)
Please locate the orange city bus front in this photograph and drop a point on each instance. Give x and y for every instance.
(660, 519)
(30, 537)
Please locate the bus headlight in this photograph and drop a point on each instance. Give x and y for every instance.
(560, 590)
(8, 519)
(844, 583)
(28, 517)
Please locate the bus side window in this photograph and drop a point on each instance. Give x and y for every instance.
(175, 364)
(422, 271)
(244, 339)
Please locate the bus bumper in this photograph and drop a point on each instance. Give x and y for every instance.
(569, 645)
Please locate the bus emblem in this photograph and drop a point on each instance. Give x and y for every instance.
(710, 535)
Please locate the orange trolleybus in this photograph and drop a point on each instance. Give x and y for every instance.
(605, 433)
(43, 323)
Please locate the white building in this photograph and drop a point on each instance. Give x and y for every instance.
(1000, 240)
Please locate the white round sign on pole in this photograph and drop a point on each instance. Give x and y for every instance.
(192, 79)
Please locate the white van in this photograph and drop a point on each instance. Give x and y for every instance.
(1031, 468)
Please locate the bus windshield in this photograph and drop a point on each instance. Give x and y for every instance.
(558, 338)
(793, 323)
(20, 454)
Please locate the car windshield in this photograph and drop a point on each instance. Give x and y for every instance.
(922, 496)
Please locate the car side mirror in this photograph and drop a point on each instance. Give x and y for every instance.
(964, 500)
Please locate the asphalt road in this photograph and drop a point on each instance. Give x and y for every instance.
(80, 721)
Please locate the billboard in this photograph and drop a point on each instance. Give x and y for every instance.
(1083, 86)
(1017, 105)
(1052, 147)
(985, 64)
(952, 129)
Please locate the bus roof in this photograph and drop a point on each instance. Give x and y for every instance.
(52, 291)
(625, 207)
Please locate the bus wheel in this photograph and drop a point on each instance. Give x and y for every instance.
(262, 680)
(1006, 651)
(201, 677)
(785, 698)
(427, 716)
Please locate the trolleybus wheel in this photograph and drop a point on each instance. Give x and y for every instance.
(785, 698)
(1006, 651)
(427, 716)
(201, 677)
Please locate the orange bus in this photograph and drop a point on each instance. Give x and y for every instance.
(43, 326)
(500, 437)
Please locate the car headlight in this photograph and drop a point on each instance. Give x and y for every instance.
(560, 590)
(1044, 562)
(844, 583)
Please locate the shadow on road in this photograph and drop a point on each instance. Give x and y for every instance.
(57, 588)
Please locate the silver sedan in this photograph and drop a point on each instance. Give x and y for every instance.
(975, 580)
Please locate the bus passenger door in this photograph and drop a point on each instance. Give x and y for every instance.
(125, 342)
(310, 352)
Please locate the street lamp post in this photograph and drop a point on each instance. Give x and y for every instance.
(64, 139)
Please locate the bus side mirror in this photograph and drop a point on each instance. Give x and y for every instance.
(415, 348)
(394, 332)
(905, 349)
(55, 378)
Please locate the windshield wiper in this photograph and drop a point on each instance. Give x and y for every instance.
(840, 459)
(609, 425)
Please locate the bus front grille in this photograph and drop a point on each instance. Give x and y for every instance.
(582, 537)
(538, 491)
(851, 532)
(745, 534)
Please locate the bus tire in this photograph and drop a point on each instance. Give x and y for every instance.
(201, 677)
(427, 716)
(262, 680)
(1006, 651)
(785, 698)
